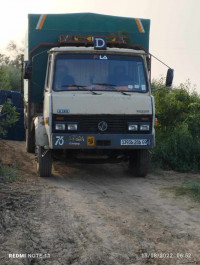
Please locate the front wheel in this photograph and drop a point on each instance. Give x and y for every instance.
(139, 163)
(44, 162)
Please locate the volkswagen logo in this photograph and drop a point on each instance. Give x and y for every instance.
(102, 126)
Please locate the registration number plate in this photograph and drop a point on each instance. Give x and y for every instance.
(135, 142)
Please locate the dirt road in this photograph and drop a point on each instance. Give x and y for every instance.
(94, 214)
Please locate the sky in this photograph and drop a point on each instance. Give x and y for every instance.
(174, 33)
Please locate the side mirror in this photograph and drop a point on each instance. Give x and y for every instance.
(170, 77)
(27, 69)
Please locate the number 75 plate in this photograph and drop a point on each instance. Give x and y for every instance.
(135, 142)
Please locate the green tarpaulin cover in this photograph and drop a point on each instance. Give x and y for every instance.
(44, 28)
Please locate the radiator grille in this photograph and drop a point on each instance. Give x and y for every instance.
(89, 124)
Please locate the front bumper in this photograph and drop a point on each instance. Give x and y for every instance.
(102, 141)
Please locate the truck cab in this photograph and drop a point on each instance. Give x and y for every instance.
(97, 106)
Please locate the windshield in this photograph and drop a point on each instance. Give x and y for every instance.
(99, 72)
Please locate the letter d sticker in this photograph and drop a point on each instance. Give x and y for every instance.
(100, 44)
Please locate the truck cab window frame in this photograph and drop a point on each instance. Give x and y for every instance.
(49, 65)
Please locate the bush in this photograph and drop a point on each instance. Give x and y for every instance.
(177, 149)
(178, 130)
(8, 117)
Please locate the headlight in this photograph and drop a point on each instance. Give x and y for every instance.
(132, 127)
(72, 127)
(144, 127)
(60, 127)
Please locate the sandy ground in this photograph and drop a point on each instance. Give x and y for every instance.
(94, 214)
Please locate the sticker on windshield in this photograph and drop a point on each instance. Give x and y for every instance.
(143, 87)
(130, 86)
(101, 57)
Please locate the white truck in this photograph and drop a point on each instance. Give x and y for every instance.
(87, 90)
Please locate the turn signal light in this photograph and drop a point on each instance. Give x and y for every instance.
(47, 121)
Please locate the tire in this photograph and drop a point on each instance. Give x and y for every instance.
(139, 163)
(30, 141)
(44, 164)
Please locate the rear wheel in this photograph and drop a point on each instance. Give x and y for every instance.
(139, 163)
(44, 162)
(30, 141)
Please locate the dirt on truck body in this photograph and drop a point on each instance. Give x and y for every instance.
(94, 214)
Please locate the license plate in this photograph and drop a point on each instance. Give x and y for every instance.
(135, 142)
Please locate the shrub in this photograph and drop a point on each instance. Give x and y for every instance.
(178, 130)
(177, 149)
(8, 117)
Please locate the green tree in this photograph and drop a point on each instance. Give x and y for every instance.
(11, 67)
(13, 75)
(16, 54)
(8, 117)
(4, 79)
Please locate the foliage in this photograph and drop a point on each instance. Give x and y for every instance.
(13, 75)
(8, 172)
(8, 117)
(4, 79)
(178, 130)
(10, 68)
(16, 53)
(191, 189)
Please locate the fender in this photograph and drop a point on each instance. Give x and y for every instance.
(41, 138)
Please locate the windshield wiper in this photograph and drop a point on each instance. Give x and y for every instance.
(124, 93)
(73, 85)
(120, 91)
(104, 84)
(79, 88)
(94, 92)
